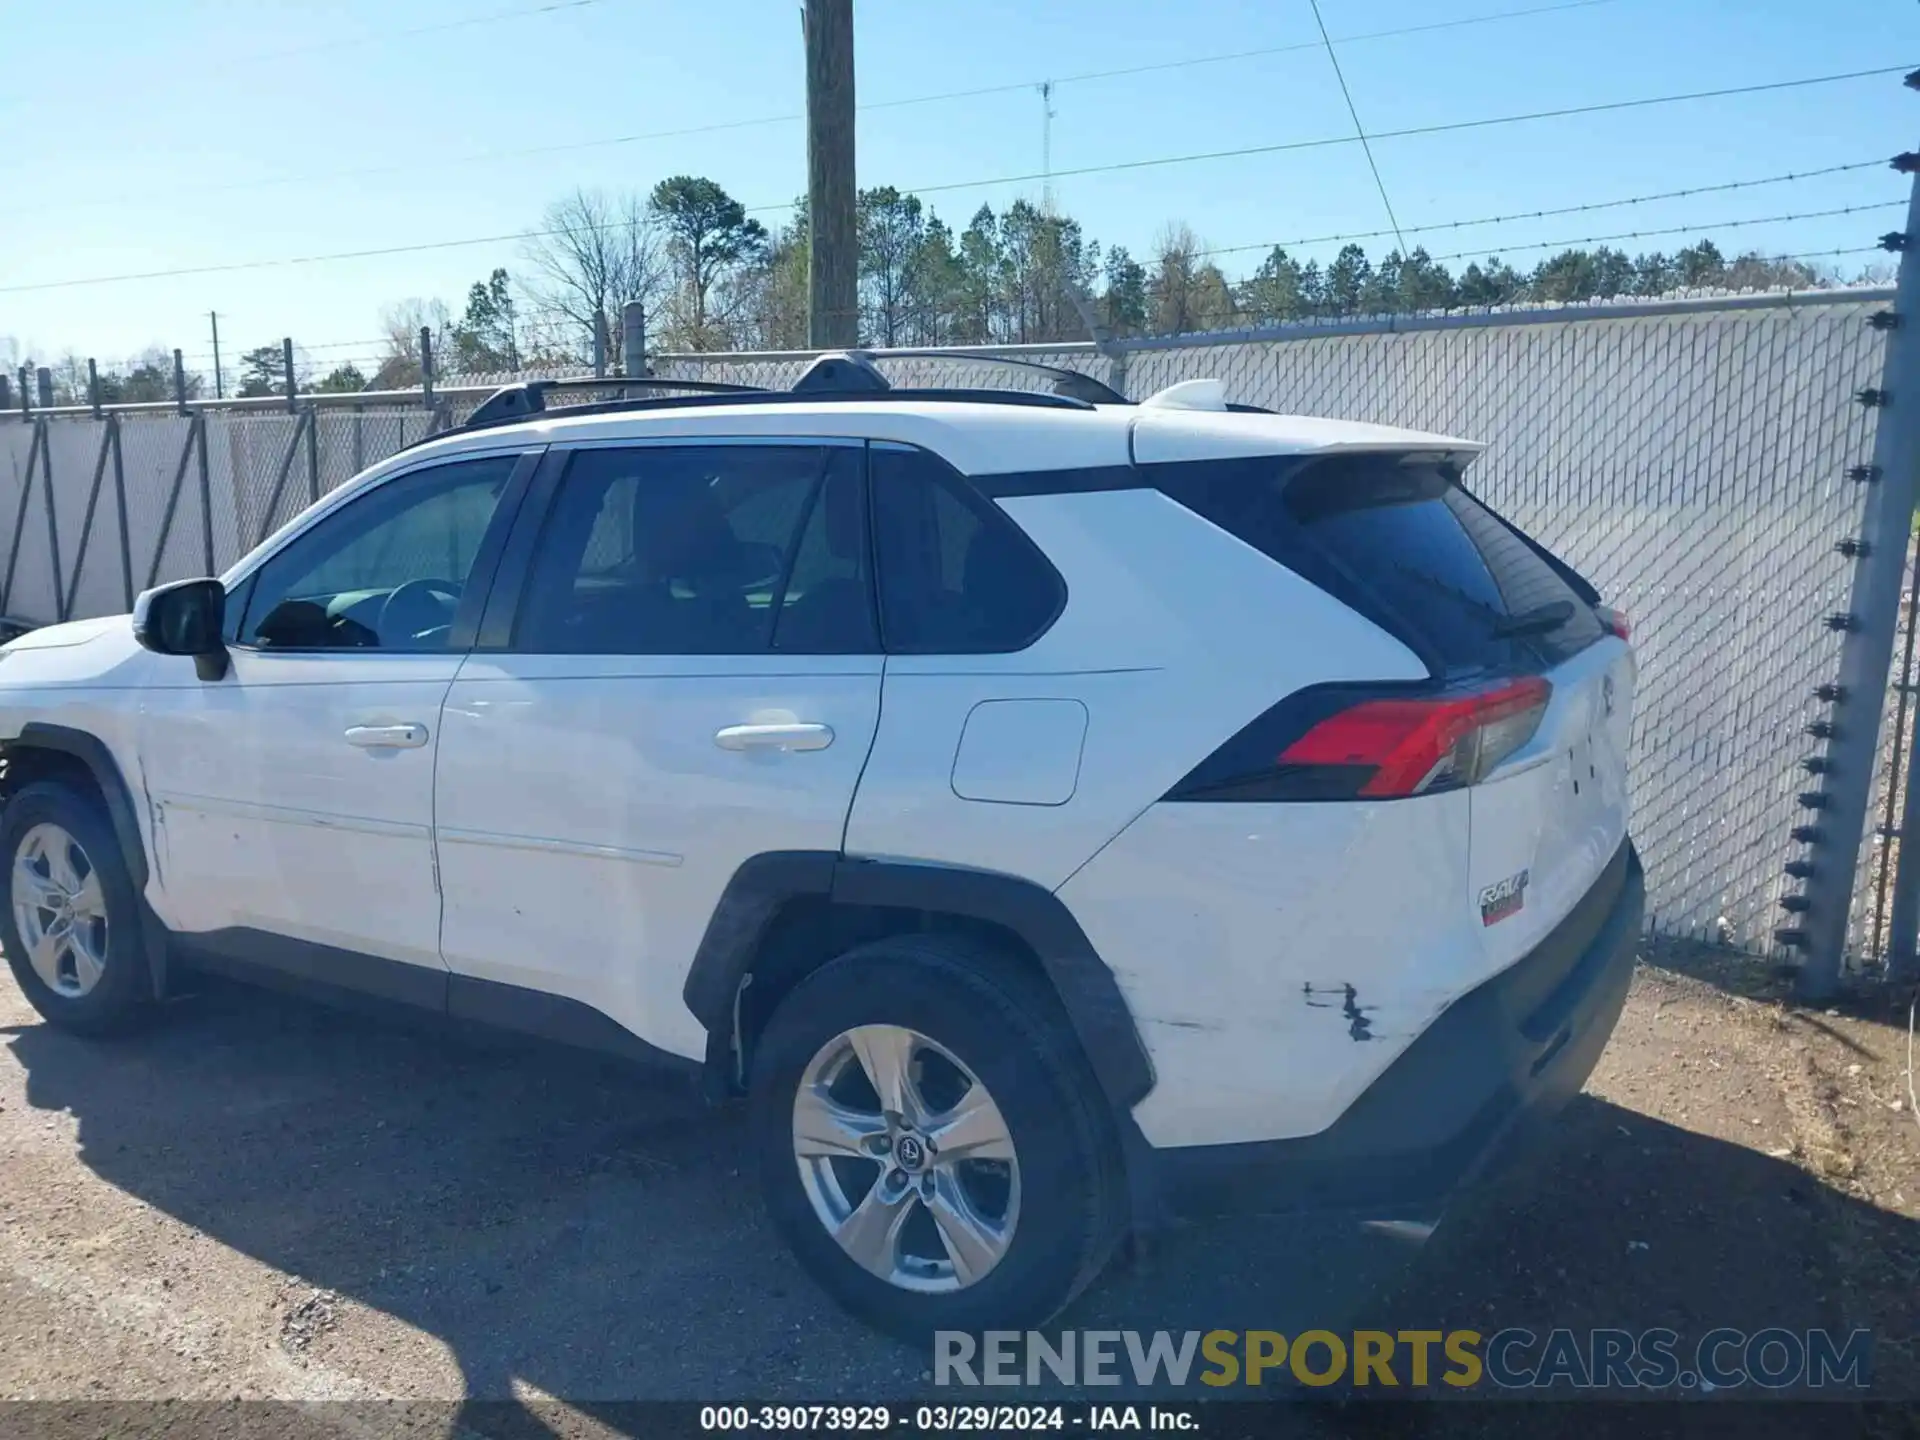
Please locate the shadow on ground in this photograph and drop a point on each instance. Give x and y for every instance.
(565, 1223)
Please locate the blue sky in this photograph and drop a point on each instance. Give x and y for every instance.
(206, 132)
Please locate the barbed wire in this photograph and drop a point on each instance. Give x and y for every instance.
(1680, 230)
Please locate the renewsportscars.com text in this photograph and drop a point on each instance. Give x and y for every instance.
(1511, 1359)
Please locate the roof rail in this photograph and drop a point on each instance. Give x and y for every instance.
(835, 375)
(529, 397)
(789, 397)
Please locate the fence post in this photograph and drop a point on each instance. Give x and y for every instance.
(313, 453)
(53, 524)
(599, 345)
(120, 505)
(633, 339)
(6, 392)
(45, 377)
(1871, 617)
(20, 516)
(93, 388)
(180, 382)
(1904, 920)
(206, 494)
(93, 505)
(26, 394)
(293, 386)
(426, 367)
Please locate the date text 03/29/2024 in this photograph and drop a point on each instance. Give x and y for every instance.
(945, 1419)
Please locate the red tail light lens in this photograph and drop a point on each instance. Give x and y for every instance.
(1412, 745)
(1614, 621)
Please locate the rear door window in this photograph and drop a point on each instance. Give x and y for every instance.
(1403, 543)
(701, 550)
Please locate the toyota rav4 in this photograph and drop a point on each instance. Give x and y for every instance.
(1051, 813)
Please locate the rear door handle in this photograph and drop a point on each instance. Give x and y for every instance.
(798, 736)
(387, 737)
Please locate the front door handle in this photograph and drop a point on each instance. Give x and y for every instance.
(387, 737)
(774, 737)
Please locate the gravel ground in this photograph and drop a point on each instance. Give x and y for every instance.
(261, 1198)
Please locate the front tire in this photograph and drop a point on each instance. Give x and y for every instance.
(932, 1144)
(69, 916)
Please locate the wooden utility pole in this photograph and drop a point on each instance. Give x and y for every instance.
(833, 245)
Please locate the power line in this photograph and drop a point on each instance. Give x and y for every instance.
(1359, 130)
(1163, 65)
(1443, 128)
(569, 146)
(1125, 165)
(1581, 209)
(464, 23)
(363, 346)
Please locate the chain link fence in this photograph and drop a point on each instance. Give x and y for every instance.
(1693, 458)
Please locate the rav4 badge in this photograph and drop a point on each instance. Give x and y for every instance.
(1503, 898)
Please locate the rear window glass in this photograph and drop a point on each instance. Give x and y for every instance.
(1405, 545)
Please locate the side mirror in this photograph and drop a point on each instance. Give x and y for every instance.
(185, 618)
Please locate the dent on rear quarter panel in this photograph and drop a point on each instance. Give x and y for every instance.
(1277, 958)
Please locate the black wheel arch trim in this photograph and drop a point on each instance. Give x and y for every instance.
(1084, 983)
(91, 751)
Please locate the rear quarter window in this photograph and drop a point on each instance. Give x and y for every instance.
(957, 576)
(1403, 543)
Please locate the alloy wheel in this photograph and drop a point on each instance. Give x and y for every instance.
(906, 1158)
(59, 910)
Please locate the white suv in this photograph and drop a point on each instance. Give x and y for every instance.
(1052, 813)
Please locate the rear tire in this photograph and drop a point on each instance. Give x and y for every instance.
(69, 914)
(1005, 1240)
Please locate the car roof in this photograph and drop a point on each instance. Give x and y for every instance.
(978, 437)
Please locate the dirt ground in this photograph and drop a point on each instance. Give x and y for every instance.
(262, 1198)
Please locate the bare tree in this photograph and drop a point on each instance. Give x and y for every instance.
(70, 379)
(401, 324)
(595, 253)
(1187, 292)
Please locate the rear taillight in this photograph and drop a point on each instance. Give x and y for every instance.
(1412, 746)
(1614, 622)
(1348, 743)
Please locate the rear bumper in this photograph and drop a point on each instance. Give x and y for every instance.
(1483, 1080)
